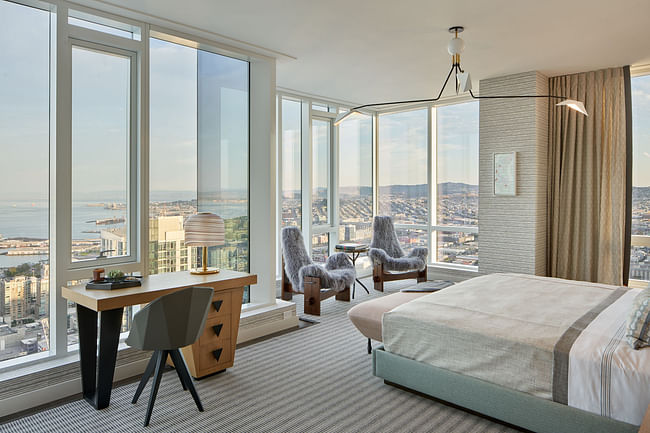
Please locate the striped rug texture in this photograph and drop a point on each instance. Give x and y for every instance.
(316, 379)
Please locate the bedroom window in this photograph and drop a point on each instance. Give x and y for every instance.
(355, 180)
(402, 174)
(24, 175)
(291, 184)
(640, 254)
(455, 214)
(198, 153)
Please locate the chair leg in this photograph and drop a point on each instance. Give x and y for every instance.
(182, 370)
(145, 376)
(180, 376)
(422, 275)
(369, 347)
(286, 289)
(312, 296)
(160, 365)
(377, 277)
(343, 295)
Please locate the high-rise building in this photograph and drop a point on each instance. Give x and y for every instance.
(167, 250)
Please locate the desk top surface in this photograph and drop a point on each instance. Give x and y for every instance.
(153, 287)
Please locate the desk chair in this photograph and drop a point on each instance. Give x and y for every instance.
(170, 322)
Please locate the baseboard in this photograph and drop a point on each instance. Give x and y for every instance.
(267, 320)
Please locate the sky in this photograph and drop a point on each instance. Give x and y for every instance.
(641, 130)
(100, 115)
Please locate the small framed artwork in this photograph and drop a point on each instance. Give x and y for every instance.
(505, 173)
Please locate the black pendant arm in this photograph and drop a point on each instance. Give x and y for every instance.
(515, 96)
(412, 101)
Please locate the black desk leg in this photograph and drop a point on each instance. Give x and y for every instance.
(97, 373)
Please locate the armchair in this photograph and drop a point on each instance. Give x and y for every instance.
(388, 259)
(317, 282)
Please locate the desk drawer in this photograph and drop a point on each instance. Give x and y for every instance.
(221, 304)
(215, 356)
(216, 330)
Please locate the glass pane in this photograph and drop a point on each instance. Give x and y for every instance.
(100, 153)
(458, 248)
(411, 238)
(73, 325)
(355, 180)
(320, 171)
(640, 263)
(640, 255)
(24, 176)
(104, 28)
(320, 247)
(457, 164)
(172, 154)
(403, 185)
(223, 153)
(291, 172)
(198, 154)
(319, 107)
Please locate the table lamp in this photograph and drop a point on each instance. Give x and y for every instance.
(204, 229)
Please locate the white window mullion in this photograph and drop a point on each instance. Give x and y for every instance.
(432, 179)
(334, 188)
(306, 162)
(61, 187)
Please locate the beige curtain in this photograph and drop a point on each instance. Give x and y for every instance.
(589, 172)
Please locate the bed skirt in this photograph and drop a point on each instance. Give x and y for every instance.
(513, 407)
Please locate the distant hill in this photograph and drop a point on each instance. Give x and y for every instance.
(407, 190)
(457, 188)
(641, 193)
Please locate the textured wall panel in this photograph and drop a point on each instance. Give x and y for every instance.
(512, 230)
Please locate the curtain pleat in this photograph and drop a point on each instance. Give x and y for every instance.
(587, 183)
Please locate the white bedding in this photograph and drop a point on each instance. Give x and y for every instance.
(606, 375)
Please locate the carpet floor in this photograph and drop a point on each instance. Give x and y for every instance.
(318, 379)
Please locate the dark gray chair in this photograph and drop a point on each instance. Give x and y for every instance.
(388, 259)
(301, 275)
(170, 322)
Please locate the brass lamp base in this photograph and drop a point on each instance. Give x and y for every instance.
(205, 271)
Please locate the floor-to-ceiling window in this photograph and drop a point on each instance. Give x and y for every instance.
(355, 180)
(291, 181)
(24, 180)
(198, 153)
(455, 213)
(640, 254)
(403, 174)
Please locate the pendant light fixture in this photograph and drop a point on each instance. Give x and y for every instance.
(463, 84)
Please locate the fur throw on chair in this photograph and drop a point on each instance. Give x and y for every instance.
(337, 274)
(385, 248)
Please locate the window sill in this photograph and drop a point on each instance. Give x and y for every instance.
(453, 267)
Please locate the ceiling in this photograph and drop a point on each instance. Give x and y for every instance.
(374, 50)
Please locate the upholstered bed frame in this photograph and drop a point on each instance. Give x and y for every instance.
(513, 407)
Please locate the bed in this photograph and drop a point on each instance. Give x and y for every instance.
(542, 353)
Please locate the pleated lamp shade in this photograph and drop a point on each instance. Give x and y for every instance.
(204, 229)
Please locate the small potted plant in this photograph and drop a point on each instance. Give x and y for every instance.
(116, 276)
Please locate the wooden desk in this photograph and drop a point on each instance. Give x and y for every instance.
(214, 351)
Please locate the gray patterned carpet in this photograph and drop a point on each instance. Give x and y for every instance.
(314, 379)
